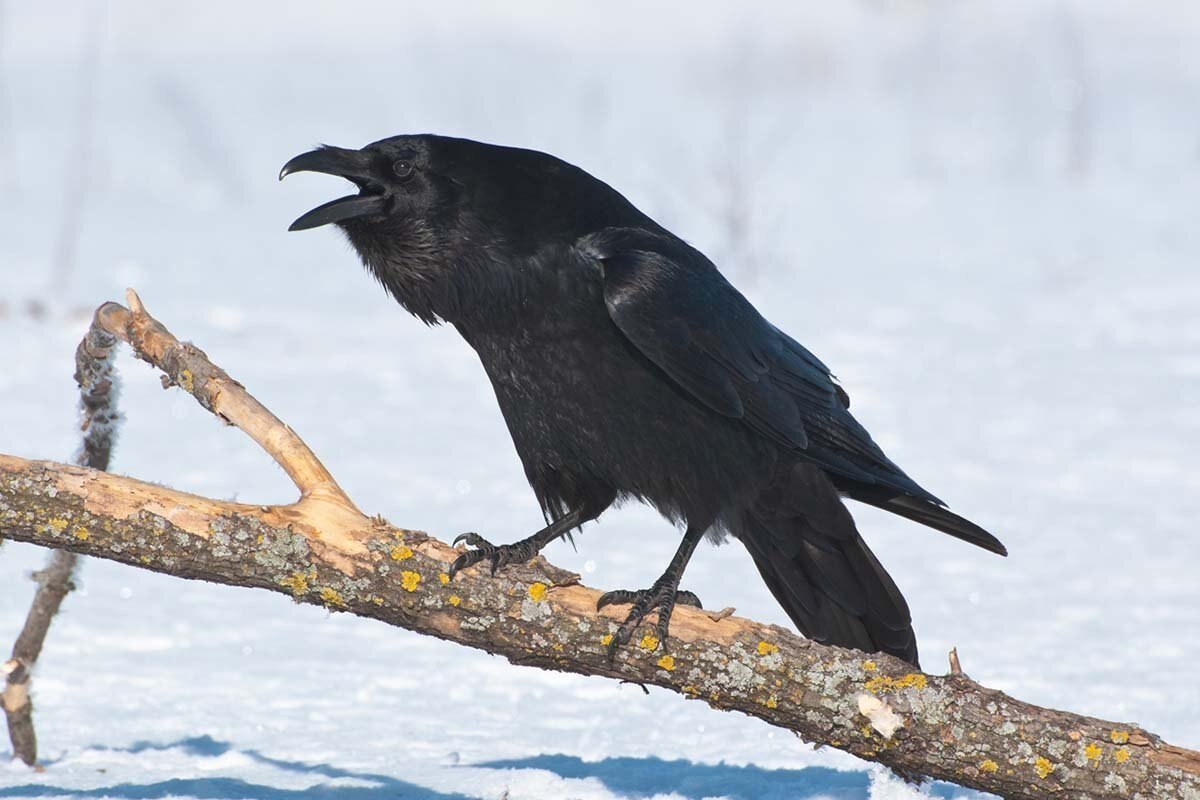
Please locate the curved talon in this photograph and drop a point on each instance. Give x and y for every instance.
(617, 596)
(619, 640)
(467, 559)
(483, 548)
(644, 601)
(474, 540)
(500, 555)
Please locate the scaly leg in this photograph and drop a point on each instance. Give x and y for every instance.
(517, 552)
(660, 597)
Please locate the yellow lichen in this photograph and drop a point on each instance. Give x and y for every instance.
(81, 533)
(869, 666)
(377, 600)
(558, 648)
(1119, 737)
(771, 702)
(1042, 766)
(58, 524)
(297, 582)
(766, 648)
(989, 766)
(1122, 755)
(886, 684)
(443, 578)
(330, 597)
(187, 381)
(648, 642)
(606, 639)
(537, 592)
(667, 663)
(454, 600)
(1093, 752)
(400, 552)
(409, 580)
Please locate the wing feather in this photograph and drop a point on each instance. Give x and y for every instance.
(677, 308)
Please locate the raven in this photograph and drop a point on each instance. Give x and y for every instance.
(626, 366)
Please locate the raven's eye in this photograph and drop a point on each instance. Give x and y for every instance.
(403, 168)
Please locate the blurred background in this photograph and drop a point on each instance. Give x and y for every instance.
(982, 215)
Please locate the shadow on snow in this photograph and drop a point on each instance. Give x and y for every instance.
(645, 777)
(633, 777)
(221, 788)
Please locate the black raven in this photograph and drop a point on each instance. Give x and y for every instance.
(627, 366)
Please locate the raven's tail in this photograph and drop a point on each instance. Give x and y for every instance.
(809, 553)
(927, 513)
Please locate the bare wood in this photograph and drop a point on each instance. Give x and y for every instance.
(188, 367)
(876, 707)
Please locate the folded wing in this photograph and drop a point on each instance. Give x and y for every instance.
(681, 313)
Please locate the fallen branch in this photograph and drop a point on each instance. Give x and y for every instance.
(96, 376)
(322, 550)
(54, 583)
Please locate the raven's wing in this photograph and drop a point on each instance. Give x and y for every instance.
(678, 310)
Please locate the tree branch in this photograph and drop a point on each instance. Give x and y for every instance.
(95, 373)
(324, 551)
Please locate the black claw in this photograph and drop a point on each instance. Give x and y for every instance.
(465, 560)
(617, 596)
(475, 540)
(658, 599)
(500, 556)
(619, 640)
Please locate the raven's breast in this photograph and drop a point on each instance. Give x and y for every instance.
(590, 415)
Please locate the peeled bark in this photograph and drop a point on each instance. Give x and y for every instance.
(322, 550)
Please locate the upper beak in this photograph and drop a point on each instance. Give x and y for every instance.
(353, 165)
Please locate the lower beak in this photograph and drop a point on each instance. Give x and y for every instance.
(353, 165)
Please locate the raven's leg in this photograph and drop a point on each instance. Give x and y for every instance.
(660, 597)
(517, 552)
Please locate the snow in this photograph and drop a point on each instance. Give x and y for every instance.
(1021, 334)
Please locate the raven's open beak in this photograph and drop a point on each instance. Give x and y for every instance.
(353, 165)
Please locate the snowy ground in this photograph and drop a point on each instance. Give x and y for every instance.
(984, 220)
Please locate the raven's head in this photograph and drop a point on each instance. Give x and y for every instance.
(443, 222)
(396, 177)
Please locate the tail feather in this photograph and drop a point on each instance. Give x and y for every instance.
(930, 514)
(823, 574)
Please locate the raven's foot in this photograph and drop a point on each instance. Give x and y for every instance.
(500, 555)
(661, 597)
